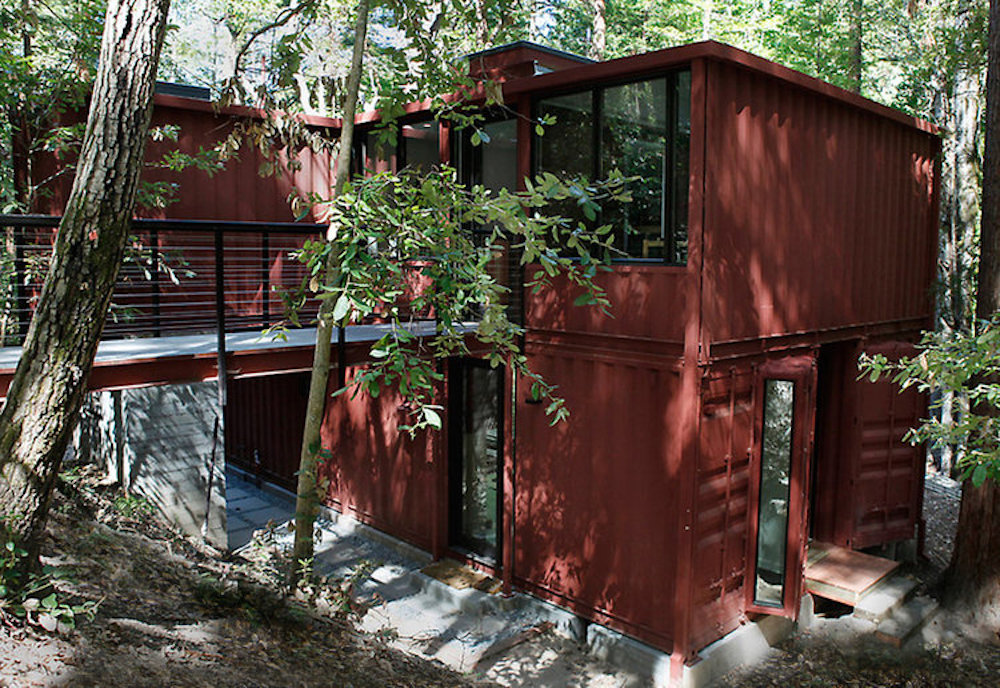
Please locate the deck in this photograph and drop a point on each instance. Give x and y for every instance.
(176, 359)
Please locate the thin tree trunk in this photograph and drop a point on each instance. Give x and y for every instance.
(598, 44)
(50, 382)
(307, 501)
(857, 31)
(974, 578)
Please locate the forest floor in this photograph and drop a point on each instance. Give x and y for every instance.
(175, 614)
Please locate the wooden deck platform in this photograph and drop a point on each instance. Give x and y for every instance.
(840, 574)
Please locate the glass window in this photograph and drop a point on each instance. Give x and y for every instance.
(567, 148)
(475, 460)
(376, 154)
(643, 130)
(419, 146)
(772, 519)
(634, 141)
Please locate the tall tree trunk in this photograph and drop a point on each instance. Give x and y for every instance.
(51, 378)
(857, 49)
(975, 567)
(598, 44)
(308, 497)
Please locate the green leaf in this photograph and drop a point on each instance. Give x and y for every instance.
(979, 475)
(539, 130)
(432, 418)
(379, 353)
(50, 602)
(341, 308)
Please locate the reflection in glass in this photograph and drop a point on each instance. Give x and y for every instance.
(480, 458)
(643, 130)
(634, 136)
(567, 148)
(772, 519)
(680, 159)
(420, 145)
(376, 153)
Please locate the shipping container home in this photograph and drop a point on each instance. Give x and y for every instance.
(778, 228)
(719, 440)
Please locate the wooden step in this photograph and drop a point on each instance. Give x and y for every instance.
(843, 575)
(886, 597)
(906, 621)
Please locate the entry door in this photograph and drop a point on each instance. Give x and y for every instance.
(783, 433)
(475, 458)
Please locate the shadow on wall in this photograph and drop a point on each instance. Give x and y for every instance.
(164, 443)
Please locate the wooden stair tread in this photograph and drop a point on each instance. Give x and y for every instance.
(844, 575)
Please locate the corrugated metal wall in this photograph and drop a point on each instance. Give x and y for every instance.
(647, 303)
(721, 521)
(818, 215)
(237, 193)
(595, 503)
(378, 474)
(264, 421)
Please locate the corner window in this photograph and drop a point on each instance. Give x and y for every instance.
(642, 129)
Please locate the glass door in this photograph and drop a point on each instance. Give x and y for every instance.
(783, 442)
(475, 458)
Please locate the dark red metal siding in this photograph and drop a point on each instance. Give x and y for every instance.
(819, 215)
(647, 303)
(869, 482)
(377, 473)
(264, 421)
(888, 473)
(237, 193)
(595, 504)
(722, 509)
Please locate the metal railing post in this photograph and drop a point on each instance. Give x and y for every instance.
(220, 316)
(154, 242)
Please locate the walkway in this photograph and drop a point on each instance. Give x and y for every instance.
(511, 641)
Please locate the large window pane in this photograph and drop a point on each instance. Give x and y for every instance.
(420, 145)
(475, 462)
(772, 519)
(567, 148)
(634, 141)
(680, 157)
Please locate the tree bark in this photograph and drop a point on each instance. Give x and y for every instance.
(51, 377)
(974, 578)
(857, 49)
(307, 493)
(598, 44)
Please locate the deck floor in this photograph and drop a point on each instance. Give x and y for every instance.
(146, 348)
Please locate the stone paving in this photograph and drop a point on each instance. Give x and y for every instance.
(249, 508)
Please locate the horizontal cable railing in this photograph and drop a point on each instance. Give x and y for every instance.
(174, 276)
(176, 273)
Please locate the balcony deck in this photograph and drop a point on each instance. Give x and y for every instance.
(174, 359)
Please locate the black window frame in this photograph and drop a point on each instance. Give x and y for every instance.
(670, 216)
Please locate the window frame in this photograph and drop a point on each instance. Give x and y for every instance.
(669, 206)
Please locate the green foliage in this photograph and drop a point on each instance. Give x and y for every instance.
(31, 597)
(405, 252)
(967, 364)
(132, 507)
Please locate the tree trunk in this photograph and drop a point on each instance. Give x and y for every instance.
(307, 493)
(599, 41)
(974, 578)
(51, 378)
(857, 50)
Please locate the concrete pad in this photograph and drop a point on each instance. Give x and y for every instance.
(885, 598)
(630, 654)
(906, 621)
